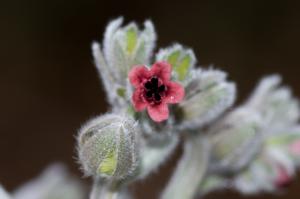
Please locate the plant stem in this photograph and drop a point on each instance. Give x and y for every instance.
(153, 156)
(103, 190)
(190, 170)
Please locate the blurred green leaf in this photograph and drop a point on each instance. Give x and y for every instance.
(132, 37)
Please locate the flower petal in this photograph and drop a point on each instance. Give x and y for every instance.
(283, 177)
(138, 74)
(138, 102)
(159, 112)
(175, 93)
(162, 70)
(295, 147)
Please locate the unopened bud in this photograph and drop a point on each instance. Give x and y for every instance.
(235, 140)
(108, 147)
(124, 47)
(208, 95)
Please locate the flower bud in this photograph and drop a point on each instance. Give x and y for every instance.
(262, 137)
(124, 47)
(108, 147)
(235, 140)
(121, 49)
(271, 171)
(208, 95)
(275, 102)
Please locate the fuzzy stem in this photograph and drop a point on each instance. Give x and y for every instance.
(103, 190)
(153, 156)
(190, 170)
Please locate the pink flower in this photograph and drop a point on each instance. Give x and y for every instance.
(295, 147)
(154, 90)
(283, 178)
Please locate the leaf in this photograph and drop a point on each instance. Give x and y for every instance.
(208, 95)
(131, 38)
(181, 59)
(173, 58)
(3, 193)
(284, 138)
(145, 45)
(182, 68)
(125, 47)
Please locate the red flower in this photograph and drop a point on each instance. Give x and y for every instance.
(154, 90)
(283, 178)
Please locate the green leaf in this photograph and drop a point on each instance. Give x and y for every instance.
(173, 58)
(181, 60)
(283, 139)
(132, 37)
(183, 67)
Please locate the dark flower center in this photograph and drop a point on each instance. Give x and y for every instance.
(154, 90)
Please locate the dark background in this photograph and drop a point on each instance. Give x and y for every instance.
(49, 86)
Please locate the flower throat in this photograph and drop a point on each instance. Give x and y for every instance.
(153, 90)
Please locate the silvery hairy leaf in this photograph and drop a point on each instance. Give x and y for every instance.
(274, 166)
(235, 140)
(181, 59)
(127, 46)
(4, 194)
(208, 95)
(123, 48)
(54, 182)
(275, 102)
(275, 162)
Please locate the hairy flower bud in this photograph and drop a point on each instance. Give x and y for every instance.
(235, 140)
(276, 104)
(208, 95)
(121, 49)
(108, 147)
(268, 134)
(124, 47)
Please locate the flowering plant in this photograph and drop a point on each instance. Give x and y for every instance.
(154, 90)
(252, 148)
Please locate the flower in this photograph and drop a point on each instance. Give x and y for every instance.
(283, 177)
(295, 147)
(154, 90)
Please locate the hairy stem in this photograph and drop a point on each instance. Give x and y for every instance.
(103, 190)
(190, 170)
(153, 156)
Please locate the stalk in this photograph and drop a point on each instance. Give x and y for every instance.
(103, 190)
(190, 171)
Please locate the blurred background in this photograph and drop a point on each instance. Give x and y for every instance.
(49, 85)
